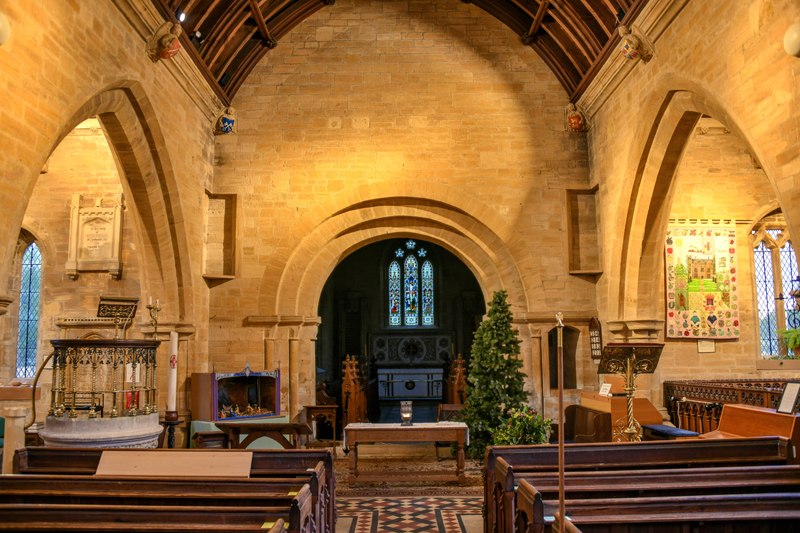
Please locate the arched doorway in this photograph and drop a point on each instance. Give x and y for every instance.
(404, 307)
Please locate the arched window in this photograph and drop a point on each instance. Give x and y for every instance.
(775, 268)
(411, 287)
(30, 283)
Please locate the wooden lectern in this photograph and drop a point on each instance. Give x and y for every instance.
(629, 360)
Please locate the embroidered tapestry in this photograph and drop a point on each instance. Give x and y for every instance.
(702, 300)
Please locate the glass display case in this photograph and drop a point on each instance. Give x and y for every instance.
(236, 395)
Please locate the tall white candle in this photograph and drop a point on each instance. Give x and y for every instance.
(172, 372)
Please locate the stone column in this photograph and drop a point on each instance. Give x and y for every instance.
(14, 435)
(294, 374)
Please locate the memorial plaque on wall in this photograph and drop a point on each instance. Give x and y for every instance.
(95, 237)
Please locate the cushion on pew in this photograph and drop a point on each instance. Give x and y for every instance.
(662, 431)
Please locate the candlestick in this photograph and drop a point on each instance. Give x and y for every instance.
(172, 373)
(154, 309)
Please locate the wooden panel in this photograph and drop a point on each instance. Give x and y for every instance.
(174, 463)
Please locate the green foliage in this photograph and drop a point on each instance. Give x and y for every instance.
(495, 384)
(523, 426)
(791, 338)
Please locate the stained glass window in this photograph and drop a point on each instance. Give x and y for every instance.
(29, 311)
(776, 275)
(411, 291)
(394, 293)
(427, 293)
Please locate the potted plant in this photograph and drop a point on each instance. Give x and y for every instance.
(791, 338)
(523, 426)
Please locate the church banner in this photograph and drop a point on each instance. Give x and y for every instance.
(702, 298)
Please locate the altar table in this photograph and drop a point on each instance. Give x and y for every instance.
(361, 433)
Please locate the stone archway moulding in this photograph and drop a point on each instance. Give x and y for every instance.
(296, 291)
(633, 298)
(132, 128)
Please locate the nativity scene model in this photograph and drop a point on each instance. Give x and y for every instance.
(236, 395)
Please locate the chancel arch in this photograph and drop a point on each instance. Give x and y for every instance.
(293, 296)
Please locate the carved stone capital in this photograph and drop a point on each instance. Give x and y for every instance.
(5, 302)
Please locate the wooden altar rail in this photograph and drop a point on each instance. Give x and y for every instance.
(499, 492)
(695, 405)
(314, 467)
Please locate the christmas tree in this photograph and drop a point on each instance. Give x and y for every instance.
(495, 383)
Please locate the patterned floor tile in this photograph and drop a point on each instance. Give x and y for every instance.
(409, 514)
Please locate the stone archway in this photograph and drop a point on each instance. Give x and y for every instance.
(635, 301)
(148, 180)
(290, 298)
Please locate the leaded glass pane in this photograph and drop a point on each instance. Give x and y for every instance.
(765, 292)
(411, 290)
(394, 293)
(788, 283)
(28, 311)
(427, 293)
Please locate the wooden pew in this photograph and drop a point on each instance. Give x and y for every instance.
(122, 516)
(625, 455)
(669, 481)
(46, 460)
(656, 482)
(739, 420)
(269, 463)
(774, 511)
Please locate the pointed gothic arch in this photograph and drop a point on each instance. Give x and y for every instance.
(639, 274)
(148, 180)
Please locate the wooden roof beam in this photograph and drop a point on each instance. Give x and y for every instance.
(262, 25)
(537, 20)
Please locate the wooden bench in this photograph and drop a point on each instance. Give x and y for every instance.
(772, 511)
(38, 488)
(655, 482)
(314, 466)
(739, 420)
(626, 455)
(132, 518)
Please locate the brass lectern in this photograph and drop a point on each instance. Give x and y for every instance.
(629, 360)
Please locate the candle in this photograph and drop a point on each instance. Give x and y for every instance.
(172, 372)
(151, 301)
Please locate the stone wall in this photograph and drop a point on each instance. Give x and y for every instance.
(375, 120)
(722, 59)
(396, 119)
(68, 61)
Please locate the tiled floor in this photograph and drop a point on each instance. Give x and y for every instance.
(425, 514)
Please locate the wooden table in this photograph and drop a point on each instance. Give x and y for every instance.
(255, 430)
(360, 433)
